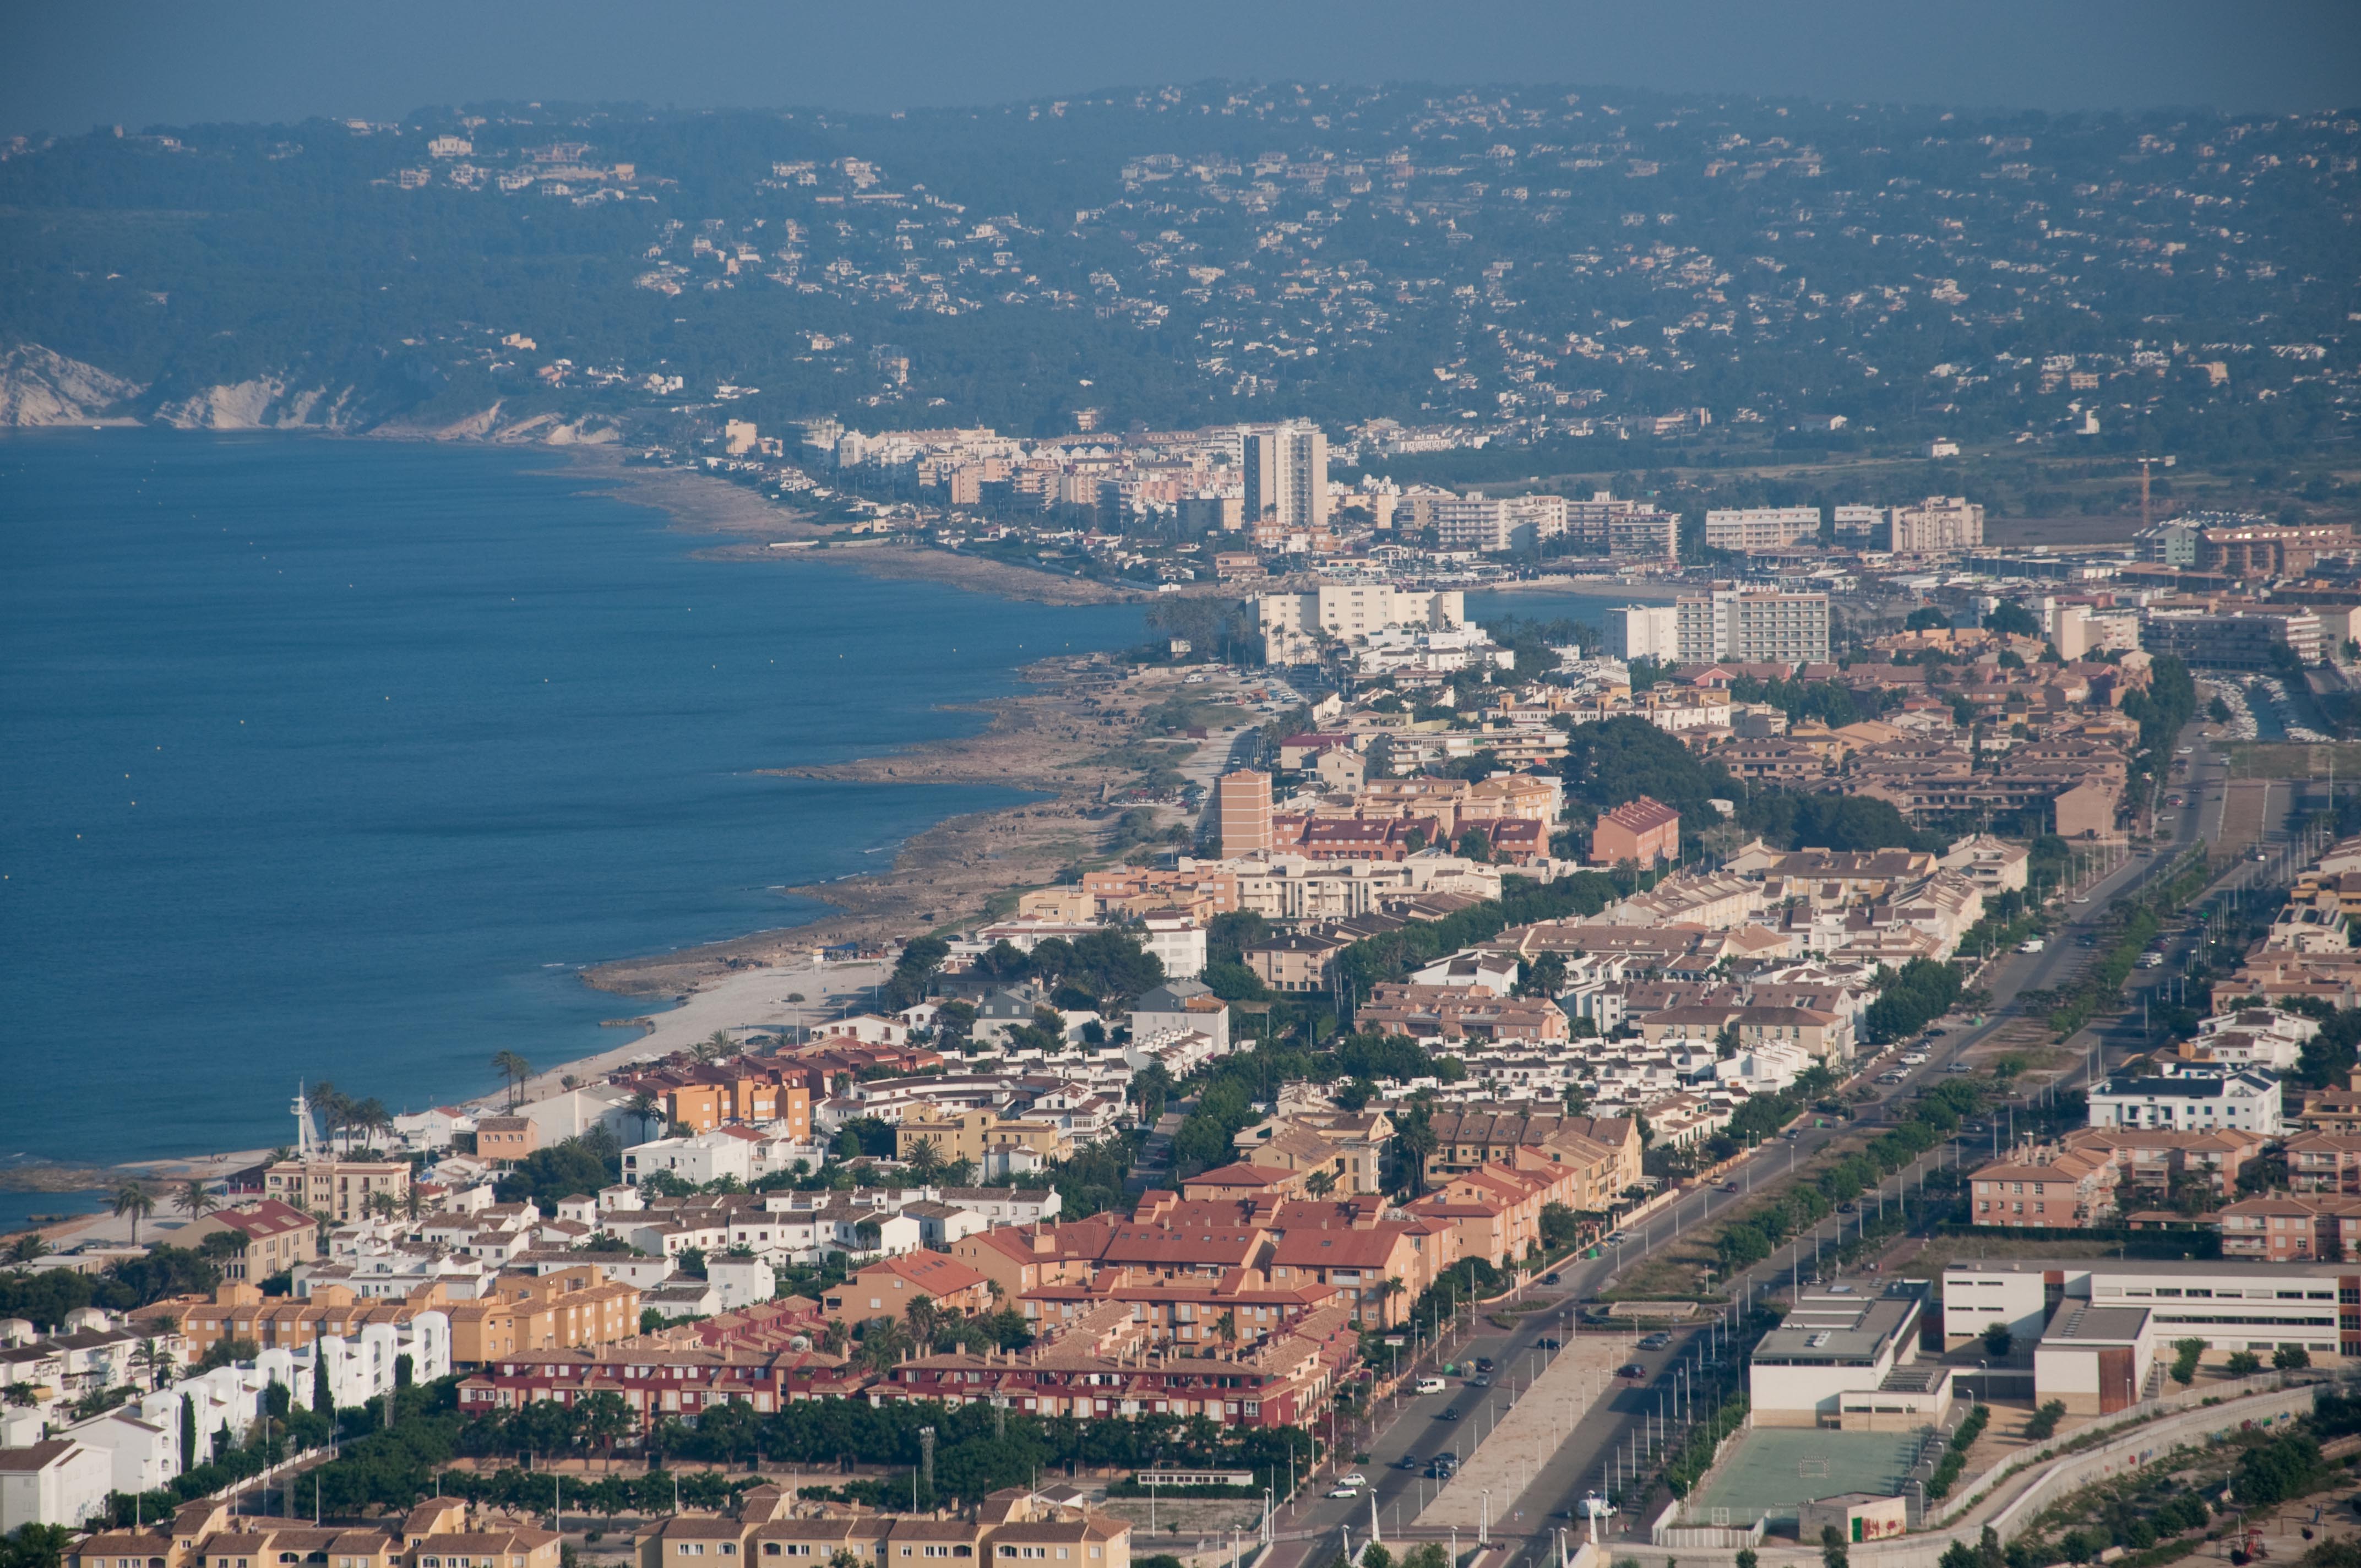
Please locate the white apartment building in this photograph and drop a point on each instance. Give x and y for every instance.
(1349, 612)
(2232, 1304)
(1178, 941)
(2190, 1103)
(1645, 631)
(1644, 533)
(2077, 631)
(1762, 528)
(1286, 475)
(1753, 626)
(1627, 530)
(1857, 523)
(1498, 524)
(1937, 524)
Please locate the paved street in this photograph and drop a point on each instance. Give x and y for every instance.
(1632, 1407)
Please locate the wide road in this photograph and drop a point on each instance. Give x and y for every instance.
(1312, 1529)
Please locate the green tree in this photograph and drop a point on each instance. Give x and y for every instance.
(1832, 1546)
(195, 1200)
(136, 1201)
(515, 1071)
(2184, 1360)
(1997, 1339)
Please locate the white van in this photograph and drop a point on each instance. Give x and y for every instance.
(1430, 1385)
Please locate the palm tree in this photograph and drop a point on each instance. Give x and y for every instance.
(1320, 1183)
(195, 1200)
(155, 1360)
(924, 1318)
(413, 1202)
(884, 1344)
(646, 1108)
(27, 1247)
(714, 1047)
(925, 1159)
(833, 1337)
(369, 1118)
(137, 1201)
(1392, 1287)
(513, 1069)
(1225, 1329)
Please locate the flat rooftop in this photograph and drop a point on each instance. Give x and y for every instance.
(2160, 1267)
(1840, 1326)
(2079, 1325)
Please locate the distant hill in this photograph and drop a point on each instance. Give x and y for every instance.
(1529, 262)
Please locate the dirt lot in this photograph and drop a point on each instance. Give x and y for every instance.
(2247, 807)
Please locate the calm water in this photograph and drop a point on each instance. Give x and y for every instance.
(327, 760)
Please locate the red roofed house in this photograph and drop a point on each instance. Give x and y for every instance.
(1643, 830)
(887, 1288)
(1235, 1181)
(274, 1237)
(1495, 1211)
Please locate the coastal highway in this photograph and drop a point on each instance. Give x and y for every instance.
(1311, 1528)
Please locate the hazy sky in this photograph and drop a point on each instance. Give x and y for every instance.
(69, 67)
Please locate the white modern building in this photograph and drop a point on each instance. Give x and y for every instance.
(1492, 525)
(1846, 1356)
(1286, 475)
(1178, 942)
(2232, 1305)
(1937, 525)
(1762, 528)
(1645, 631)
(1753, 626)
(56, 1481)
(2194, 1100)
(1349, 612)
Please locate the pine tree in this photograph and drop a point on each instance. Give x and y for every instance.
(189, 1457)
(324, 1402)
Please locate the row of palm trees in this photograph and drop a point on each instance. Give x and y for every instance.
(515, 1071)
(192, 1197)
(341, 1116)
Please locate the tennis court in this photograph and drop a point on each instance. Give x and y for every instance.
(1770, 1470)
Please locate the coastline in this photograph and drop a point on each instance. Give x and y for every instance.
(707, 504)
(1034, 739)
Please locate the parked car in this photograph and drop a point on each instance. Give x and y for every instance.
(1550, 1342)
(1549, 1278)
(1483, 1363)
(1355, 1479)
(1656, 1341)
(1631, 1369)
(1958, 1067)
(1430, 1386)
(1407, 1461)
(1342, 1492)
(1481, 1380)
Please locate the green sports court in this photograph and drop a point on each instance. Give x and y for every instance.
(1769, 1470)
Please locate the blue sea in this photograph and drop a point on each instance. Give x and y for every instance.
(337, 758)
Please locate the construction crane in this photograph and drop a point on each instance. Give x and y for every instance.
(2146, 465)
